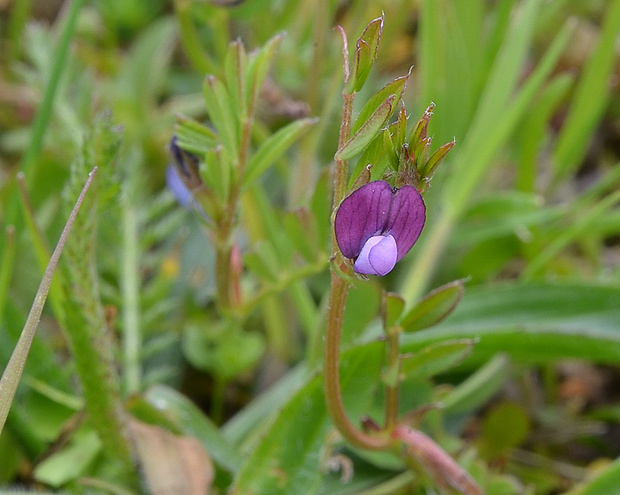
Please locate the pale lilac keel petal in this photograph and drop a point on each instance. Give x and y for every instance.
(378, 256)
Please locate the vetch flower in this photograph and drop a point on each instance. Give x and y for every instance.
(377, 226)
(177, 187)
(182, 175)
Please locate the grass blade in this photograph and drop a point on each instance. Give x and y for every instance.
(12, 373)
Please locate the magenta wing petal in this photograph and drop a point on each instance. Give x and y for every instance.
(361, 215)
(406, 219)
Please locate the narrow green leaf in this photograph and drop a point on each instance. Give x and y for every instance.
(258, 65)
(374, 155)
(274, 147)
(434, 307)
(391, 146)
(363, 63)
(394, 88)
(533, 323)
(235, 67)
(591, 95)
(194, 136)
(224, 116)
(419, 133)
(574, 232)
(13, 371)
(365, 54)
(216, 172)
(368, 131)
(436, 358)
(535, 129)
(429, 168)
(372, 34)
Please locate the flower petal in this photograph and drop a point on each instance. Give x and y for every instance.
(175, 184)
(361, 215)
(378, 256)
(406, 219)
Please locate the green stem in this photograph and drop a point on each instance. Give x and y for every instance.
(218, 400)
(225, 227)
(341, 171)
(223, 251)
(130, 289)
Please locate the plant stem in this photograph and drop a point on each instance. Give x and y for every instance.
(436, 462)
(218, 399)
(341, 170)
(331, 371)
(224, 243)
(392, 391)
(130, 287)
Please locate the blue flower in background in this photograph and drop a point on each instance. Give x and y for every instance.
(178, 188)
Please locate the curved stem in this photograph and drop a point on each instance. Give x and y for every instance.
(333, 393)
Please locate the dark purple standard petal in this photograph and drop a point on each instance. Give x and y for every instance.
(361, 215)
(406, 219)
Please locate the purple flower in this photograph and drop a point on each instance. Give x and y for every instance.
(182, 175)
(178, 188)
(377, 226)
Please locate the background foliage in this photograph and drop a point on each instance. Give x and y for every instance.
(525, 208)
